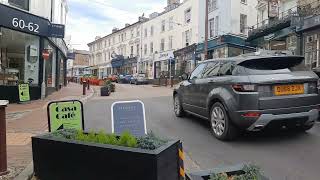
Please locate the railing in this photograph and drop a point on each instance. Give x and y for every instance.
(310, 9)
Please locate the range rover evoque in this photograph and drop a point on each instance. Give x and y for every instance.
(250, 92)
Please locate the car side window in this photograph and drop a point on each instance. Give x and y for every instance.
(226, 69)
(197, 73)
(211, 70)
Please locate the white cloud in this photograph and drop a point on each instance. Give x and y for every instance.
(90, 18)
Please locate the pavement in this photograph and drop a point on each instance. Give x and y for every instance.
(27, 120)
(281, 155)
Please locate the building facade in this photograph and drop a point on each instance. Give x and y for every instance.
(290, 25)
(78, 66)
(28, 28)
(118, 52)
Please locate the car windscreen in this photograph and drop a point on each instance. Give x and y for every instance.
(241, 70)
(274, 65)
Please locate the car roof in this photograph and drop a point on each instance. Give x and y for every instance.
(252, 57)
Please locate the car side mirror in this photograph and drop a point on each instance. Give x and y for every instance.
(184, 76)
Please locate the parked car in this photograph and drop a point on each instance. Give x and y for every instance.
(124, 79)
(113, 78)
(251, 92)
(139, 79)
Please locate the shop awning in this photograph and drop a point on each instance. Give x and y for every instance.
(116, 63)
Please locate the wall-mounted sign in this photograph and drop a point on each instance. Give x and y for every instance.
(165, 56)
(45, 54)
(128, 116)
(22, 21)
(24, 92)
(65, 115)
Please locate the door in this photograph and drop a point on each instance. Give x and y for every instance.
(189, 88)
(217, 76)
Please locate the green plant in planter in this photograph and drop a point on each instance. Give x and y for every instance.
(251, 172)
(150, 142)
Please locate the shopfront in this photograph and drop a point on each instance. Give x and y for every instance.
(185, 60)
(162, 66)
(21, 50)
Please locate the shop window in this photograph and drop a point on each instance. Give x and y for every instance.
(19, 58)
(50, 65)
(22, 4)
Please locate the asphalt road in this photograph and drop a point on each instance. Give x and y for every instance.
(282, 156)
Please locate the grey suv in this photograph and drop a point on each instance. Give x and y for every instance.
(250, 93)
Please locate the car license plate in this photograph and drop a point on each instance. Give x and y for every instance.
(289, 89)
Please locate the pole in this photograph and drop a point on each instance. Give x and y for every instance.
(84, 87)
(43, 84)
(206, 33)
(3, 138)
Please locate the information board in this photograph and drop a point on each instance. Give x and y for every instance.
(24, 92)
(128, 116)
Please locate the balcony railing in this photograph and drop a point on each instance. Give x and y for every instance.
(283, 18)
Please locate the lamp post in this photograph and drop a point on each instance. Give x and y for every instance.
(45, 55)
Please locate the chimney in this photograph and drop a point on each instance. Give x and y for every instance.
(127, 24)
(172, 2)
(114, 30)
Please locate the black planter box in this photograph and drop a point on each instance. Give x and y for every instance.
(104, 91)
(66, 160)
(205, 175)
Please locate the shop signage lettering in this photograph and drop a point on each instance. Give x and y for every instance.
(24, 92)
(65, 115)
(29, 23)
(128, 116)
(20, 23)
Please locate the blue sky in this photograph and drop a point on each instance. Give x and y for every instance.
(90, 18)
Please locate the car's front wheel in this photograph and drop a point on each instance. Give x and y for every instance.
(177, 105)
(222, 127)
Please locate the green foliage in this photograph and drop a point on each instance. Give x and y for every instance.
(150, 142)
(251, 172)
(126, 139)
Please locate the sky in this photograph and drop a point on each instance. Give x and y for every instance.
(90, 18)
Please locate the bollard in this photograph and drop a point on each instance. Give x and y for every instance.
(171, 82)
(88, 85)
(84, 85)
(182, 174)
(3, 138)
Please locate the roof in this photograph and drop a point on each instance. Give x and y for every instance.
(114, 32)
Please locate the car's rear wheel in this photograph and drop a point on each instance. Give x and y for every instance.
(177, 105)
(221, 125)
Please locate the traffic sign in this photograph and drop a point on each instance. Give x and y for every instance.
(65, 115)
(24, 92)
(128, 116)
(45, 54)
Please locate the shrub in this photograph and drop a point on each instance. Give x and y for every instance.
(150, 142)
(251, 172)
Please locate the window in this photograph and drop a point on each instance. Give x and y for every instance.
(244, 1)
(138, 51)
(151, 31)
(217, 26)
(170, 23)
(113, 40)
(226, 69)
(132, 33)
(131, 52)
(122, 37)
(145, 49)
(109, 42)
(162, 45)
(138, 31)
(243, 23)
(187, 16)
(187, 37)
(211, 70)
(145, 32)
(211, 28)
(119, 38)
(22, 4)
(198, 71)
(163, 25)
(170, 42)
(212, 5)
(151, 47)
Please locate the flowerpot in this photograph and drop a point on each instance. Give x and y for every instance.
(105, 91)
(230, 170)
(56, 158)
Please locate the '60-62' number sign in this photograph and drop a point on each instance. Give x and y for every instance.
(20, 23)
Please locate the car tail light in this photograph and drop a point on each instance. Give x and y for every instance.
(252, 114)
(244, 87)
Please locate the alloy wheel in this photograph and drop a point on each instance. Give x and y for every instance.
(218, 121)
